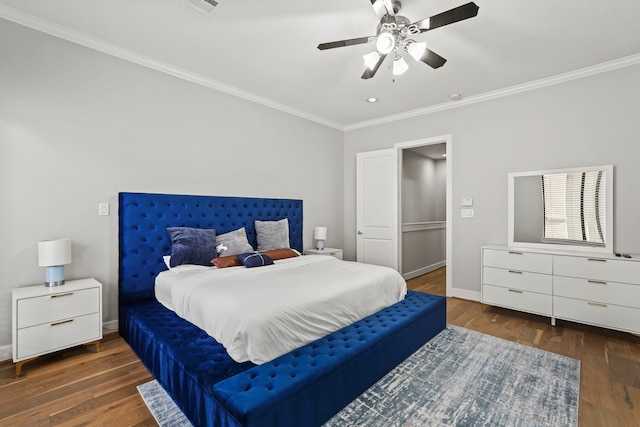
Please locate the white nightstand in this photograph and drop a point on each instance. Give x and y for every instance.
(326, 251)
(50, 319)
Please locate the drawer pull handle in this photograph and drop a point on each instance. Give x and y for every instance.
(62, 323)
(62, 295)
(515, 253)
(597, 259)
(597, 282)
(597, 304)
(515, 272)
(517, 291)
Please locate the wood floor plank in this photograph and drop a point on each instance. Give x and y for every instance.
(79, 387)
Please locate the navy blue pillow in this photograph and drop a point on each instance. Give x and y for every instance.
(192, 245)
(254, 259)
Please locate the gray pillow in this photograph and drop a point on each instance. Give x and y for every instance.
(272, 234)
(233, 243)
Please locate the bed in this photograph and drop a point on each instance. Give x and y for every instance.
(305, 386)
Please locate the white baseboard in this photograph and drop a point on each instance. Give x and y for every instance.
(465, 294)
(111, 326)
(424, 270)
(5, 353)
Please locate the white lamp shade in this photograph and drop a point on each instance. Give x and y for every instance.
(399, 66)
(371, 59)
(320, 233)
(385, 43)
(54, 252)
(416, 50)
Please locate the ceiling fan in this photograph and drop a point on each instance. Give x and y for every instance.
(395, 32)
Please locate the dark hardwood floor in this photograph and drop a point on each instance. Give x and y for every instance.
(79, 387)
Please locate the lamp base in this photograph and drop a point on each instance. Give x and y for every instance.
(52, 284)
(54, 276)
(320, 244)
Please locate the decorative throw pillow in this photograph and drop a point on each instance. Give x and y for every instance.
(233, 243)
(192, 245)
(272, 234)
(283, 253)
(254, 259)
(226, 261)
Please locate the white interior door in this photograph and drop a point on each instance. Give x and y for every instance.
(377, 207)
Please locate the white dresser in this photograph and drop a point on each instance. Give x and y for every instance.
(47, 319)
(596, 289)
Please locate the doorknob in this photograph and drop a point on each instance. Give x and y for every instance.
(359, 232)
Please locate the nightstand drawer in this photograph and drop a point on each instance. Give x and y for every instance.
(53, 336)
(337, 253)
(62, 305)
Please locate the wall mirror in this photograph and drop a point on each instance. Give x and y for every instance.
(570, 209)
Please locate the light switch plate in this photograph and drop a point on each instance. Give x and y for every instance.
(466, 213)
(103, 209)
(467, 201)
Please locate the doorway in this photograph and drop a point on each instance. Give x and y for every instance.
(425, 207)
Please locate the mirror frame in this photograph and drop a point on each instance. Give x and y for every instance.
(608, 238)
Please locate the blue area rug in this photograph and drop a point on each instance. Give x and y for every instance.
(459, 378)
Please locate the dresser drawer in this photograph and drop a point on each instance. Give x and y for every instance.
(45, 338)
(53, 307)
(614, 270)
(597, 290)
(515, 260)
(531, 302)
(517, 279)
(598, 314)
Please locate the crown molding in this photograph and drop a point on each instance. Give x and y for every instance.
(82, 39)
(77, 37)
(604, 67)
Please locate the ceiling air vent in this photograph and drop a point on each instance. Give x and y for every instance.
(202, 8)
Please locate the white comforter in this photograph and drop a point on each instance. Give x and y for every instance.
(261, 313)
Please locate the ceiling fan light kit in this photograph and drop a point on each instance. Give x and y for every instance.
(394, 35)
(400, 66)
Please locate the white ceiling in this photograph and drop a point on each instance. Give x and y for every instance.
(266, 50)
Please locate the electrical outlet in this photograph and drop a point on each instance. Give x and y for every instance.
(466, 213)
(103, 209)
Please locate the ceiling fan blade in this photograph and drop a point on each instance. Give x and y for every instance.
(343, 43)
(370, 72)
(456, 14)
(432, 59)
(383, 7)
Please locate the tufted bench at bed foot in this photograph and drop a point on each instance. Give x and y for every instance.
(309, 385)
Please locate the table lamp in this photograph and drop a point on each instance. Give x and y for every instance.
(54, 255)
(320, 235)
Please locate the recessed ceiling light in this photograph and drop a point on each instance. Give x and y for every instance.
(372, 100)
(455, 97)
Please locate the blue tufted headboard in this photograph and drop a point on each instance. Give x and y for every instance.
(144, 217)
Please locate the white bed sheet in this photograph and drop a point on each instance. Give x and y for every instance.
(261, 313)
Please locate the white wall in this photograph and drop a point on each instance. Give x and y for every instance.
(590, 121)
(78, 126)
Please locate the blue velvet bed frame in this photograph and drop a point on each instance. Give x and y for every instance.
(302, 388)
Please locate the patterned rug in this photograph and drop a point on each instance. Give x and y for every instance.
(459, 378)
